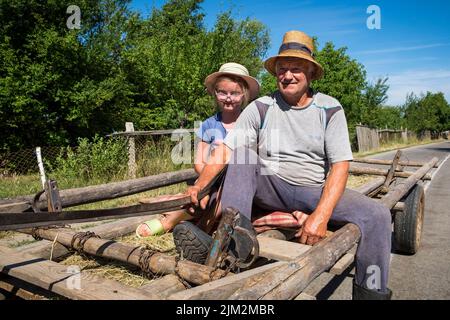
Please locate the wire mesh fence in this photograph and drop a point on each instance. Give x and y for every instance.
(103, 156)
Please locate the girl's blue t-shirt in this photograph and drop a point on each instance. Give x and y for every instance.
(212, 130)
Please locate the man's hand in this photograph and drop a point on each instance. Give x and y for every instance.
(313, 229)
(193, 193)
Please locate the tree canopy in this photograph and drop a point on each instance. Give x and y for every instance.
(59, 84)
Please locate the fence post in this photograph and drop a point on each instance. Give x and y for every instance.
(405, 135)
(41, 167)
(129, 127)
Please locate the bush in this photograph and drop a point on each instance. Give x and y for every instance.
(101, 159)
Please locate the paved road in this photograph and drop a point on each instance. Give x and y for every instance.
(425, 275)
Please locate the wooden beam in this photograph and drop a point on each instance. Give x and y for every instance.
(391, 172)
(383, 172)
(111, 230)
(157, 263)
(305, 296)
(389, 162)
(24, 290)
(289, 280)
(78, 196)
(57, 278)
(397, 192)
(151, 132)
(164, 286)
(344, 262)
(280, 250)
(221, 289)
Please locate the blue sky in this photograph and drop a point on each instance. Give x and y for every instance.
(412, 47)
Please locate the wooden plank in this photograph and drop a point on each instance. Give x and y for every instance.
(223, 288)
(77, 196)
(342, 264)
(164, 286)
(289, 280)
(315, 287)
(280, 250)
(19, 206)
(24, 290)
(57, 278)
(305, 296)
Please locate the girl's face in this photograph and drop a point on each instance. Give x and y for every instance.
(229, 95)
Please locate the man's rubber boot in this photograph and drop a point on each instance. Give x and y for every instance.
(191, 242)
(361, 293)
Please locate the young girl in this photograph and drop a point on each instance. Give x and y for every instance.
(233, 88)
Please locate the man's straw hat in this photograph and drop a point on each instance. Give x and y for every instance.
(296, 44)
(234, 70)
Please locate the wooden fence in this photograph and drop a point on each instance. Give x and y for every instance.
(371, 138)
(367, 138)
(130, 134)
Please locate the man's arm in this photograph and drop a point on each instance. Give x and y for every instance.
(315, 227)
(216, 162)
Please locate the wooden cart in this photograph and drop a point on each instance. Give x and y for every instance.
(284, 270)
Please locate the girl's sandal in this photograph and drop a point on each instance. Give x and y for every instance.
(155, 226)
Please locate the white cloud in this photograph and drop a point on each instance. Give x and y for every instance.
(417, 81)
(398, 60)
(399, 49)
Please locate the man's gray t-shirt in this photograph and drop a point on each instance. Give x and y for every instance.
(296, 144)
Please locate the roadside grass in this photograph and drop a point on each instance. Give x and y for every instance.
(394, 145)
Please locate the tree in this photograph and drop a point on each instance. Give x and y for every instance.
(58, 84)
(427, 112)
(344, 79)
(374, 114)
(168, 65)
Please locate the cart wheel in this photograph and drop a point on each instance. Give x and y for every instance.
(408, 224)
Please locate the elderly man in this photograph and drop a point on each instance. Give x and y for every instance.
(301, 163)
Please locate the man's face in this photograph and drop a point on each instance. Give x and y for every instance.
(293, 76)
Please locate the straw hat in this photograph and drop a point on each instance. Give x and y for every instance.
(296, 44)
(233, 69)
